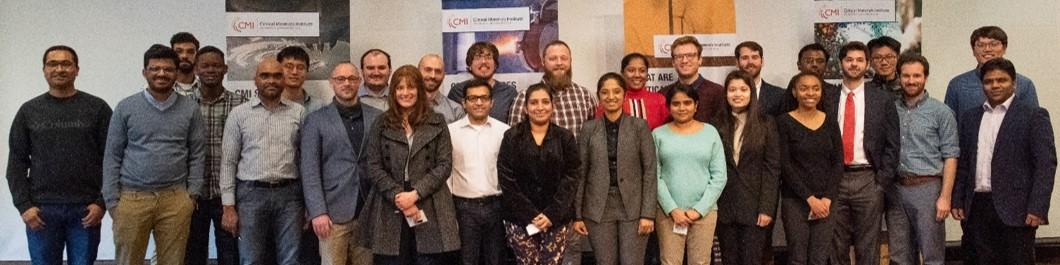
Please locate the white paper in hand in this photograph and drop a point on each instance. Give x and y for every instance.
(419, 219)
(532, 229)
(681, 230)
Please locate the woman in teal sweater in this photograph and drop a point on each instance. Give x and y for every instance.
(691, 177)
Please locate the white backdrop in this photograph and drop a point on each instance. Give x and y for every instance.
(110, 37)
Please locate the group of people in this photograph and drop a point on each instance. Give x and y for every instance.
(399, 174)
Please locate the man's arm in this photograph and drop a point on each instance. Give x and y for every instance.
(19, 162)
(113, 156)
(1043, 153)
(196, 155)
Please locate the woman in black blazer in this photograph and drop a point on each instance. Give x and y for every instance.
(616, 197)
(748, 204)
(537, 168)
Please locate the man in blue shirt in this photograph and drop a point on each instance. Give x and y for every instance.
(965, 91)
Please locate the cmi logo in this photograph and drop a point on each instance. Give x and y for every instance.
(239, 24)
(664, 49)
(457, 21)
(827, 13)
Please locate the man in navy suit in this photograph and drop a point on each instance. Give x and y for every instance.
(333, 139)
(749, 57)
(1005, 174)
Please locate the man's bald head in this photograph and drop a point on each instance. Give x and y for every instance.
(345, 81)
(433, 70)
(268, 78)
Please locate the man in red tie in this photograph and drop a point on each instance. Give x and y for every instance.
(868, 122)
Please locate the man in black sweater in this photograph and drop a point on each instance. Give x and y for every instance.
(55, 165)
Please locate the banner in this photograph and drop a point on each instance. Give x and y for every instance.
(519, 28)
(839, 22)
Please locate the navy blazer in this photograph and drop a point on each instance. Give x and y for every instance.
(1024, 164)
(881, 135)
(771, 100)
(332, 177)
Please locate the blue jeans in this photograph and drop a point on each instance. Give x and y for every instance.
(63, 229)
(481, 230)
(270, 223)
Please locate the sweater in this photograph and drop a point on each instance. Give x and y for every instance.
(692, 169)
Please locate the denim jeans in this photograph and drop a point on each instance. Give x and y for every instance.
(197, 252)
(481, 230)
(63, 229)
(270, 223)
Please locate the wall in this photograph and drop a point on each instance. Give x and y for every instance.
(111, 36)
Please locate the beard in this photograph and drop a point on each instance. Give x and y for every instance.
(558, 82)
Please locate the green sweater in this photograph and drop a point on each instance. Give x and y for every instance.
(691, 168)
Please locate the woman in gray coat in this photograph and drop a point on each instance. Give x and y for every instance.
(409, 217)
(615, 202)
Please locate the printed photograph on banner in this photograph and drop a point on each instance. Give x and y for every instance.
(519, 28)
(259, 29)
(651, 26)
(839, 22)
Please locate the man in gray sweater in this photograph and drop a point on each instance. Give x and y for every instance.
(153, 164)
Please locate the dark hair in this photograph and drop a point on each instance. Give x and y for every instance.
(684, 40)
(182, 37)
(814, 47)
(750, 45)
(44, 59)
(554, 43)
(159, 51)
(755, 127)
(990, 32)
(852, 46)
(209, 49)
(634, 56)
(792, 103)
(884, 41)
(911, 58)
(375, 51)
(478, 48)
(998, 64)
(526, 98)
(420, 112)
(611, 76)
(293, 52)
(687, 90)
(474, 82)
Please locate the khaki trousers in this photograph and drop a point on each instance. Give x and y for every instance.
(166, 214)
(698, 243)
(340, 247)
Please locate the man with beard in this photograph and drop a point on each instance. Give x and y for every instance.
(295, 63)
(482, 61)
(57, 141)
(335, 187)
(187, 47)
(433, 70)
(687, 56)
(965, 91)
(149, 182)
(868, 123)
(215, 102)
(260, 187)
(573, 104)
(375, 65)
(883, 52)
(749, 58)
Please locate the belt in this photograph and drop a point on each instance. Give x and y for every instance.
(916, 180)
(853, 168)
(483, 199)
(271, 184)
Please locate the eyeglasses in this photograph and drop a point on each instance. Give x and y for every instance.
(58, 64)
(988, 44)
(889, 57)
(477, 99)
(682, 57)
(344, 79)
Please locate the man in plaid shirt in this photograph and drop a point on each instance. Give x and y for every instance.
(573, 104)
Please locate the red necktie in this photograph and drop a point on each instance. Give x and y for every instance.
(849, 125)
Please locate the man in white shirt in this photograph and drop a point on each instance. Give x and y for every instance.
(476, 141)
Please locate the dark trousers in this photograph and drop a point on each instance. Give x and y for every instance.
(481, 230)
(310, 247)
(809, 241)
(742, 244)
(198, 252)
(63, 230)
(857, 216)
(408, 255)
(992, 241)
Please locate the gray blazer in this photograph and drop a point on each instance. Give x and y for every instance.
(636, 169)
(332, 177)
(429, 165)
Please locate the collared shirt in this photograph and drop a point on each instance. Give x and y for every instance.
(988, 128)
(448, 108)
(965, 92)
(758, 89)
(475, 150)
(929, 136)
(352, 119)
(612, 148)
(259, 145)
(737, 139)
(310, 105)
(572, 106)
(378, 100)
(160, 105)
(859, 121)
(186, 89)
(214, 114)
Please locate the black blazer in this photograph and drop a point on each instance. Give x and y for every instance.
(538, 179)
(1024, 164)
(882, 139)
(771, 99)
(753, 185)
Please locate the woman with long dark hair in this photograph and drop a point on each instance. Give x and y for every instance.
(812, 161)
(537, 167)
(409, 160)
(748, 205)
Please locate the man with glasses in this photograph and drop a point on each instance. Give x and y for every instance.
(687, 56)
(433, 70)
(965, 91)
(295, 63)
(482, 61)
(883, 53)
